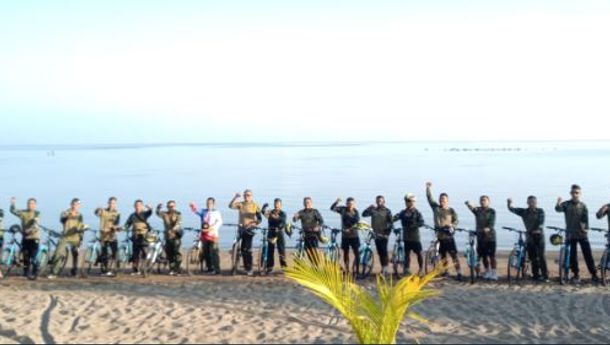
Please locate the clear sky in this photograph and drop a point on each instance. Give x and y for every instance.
(200, 71)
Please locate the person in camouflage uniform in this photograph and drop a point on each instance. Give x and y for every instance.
(533, 220)
(172, 224)
(138, 224)
(110, 219)
(30, 231)
(485, 219)
(73, 229)
(577, 228)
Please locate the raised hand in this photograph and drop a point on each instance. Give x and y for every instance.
(428, 184)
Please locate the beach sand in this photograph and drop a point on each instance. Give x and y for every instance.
(226, 309)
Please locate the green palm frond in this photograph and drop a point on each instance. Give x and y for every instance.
(374, 319)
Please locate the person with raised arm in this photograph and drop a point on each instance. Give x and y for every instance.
(311, 223)
(138, 223)
(249, 218)
(110, 220)
(485, 219)
(445, 222)
(211, 222)
(533, 220)
(350, 239)
(276, 219)
(172, 227)
(411, 220)
(381, 222)
(604, 211)
(577, 231)
(72, 236)
(30, 231)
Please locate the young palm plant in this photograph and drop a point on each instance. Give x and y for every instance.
(374, 319)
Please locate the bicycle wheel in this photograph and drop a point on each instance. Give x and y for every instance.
(43, 263)
(604, 269)
(398, 262)
(512, 272)
(262, 261)
(192, 261)
(332, 254)
(86, 264)
(235, 257)
(430, 261)
(365, 267)
(563, 267)
(8, 262)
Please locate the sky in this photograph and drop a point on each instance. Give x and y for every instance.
(74, 72)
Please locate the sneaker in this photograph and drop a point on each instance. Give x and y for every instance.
(33, 277)
(250, 274)
(493, 276)
(594, 279)
(459, 277)
(486, 275)
(575, 280)
(172, 273)
(51, 277)
(269, 271)
(109, 274)
(135, 274)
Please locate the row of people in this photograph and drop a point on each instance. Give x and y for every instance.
(445, 220)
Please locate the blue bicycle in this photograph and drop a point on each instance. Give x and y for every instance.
(332, 250)
(11, 255)
(472, 260)
(263, 251)
(125, 253)
(299, 248)
(564, 254)
(517, 260)
(93, 253)
(399, 257)
(366, 257)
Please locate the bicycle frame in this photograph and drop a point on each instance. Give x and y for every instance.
(470, 253)
(332, 250)
(564, 256)
(398, 253)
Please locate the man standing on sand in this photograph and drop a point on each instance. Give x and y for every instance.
(445, 222)
(72, 222)
(30, 231)
(311, 223)
(411, 220)
(138, 223)
(485, 218)
(349, 237)
(172, 225)
(381, 222)
(577, 227)
(211, 222)
(249, 218)
(604, 211)
(276, 223)
(110, 219)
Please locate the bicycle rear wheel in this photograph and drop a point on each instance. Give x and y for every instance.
(564, 269)
(192, 261)
(604, 269)
(366, 264)
(430, 261)
(235, 257)
(43, 263)
(512, 273)
(398, 262)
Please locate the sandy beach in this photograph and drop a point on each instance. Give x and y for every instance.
(225, 309)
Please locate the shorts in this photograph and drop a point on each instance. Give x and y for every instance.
(447, 246)
(347, 243)
(414, 246)
(486, 249)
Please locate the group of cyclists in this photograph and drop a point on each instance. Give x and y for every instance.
(251, 216)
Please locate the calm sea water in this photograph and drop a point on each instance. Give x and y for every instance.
(157, 173)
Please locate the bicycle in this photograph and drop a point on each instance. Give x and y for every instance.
(332, 250)
(93, 252)
(11, 254)
(43, 258)
(263, 251)
(432, 257)
(299, 248)
(470, 253)
(563, 259)
(194, 256)
(155, 254)
(366, 258)
(399, 257)
(604, 263)
(125, 253)
(235, 249)
(517, 260)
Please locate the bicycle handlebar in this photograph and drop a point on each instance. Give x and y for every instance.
(513, 229)
(556, 228)
(599, 230)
